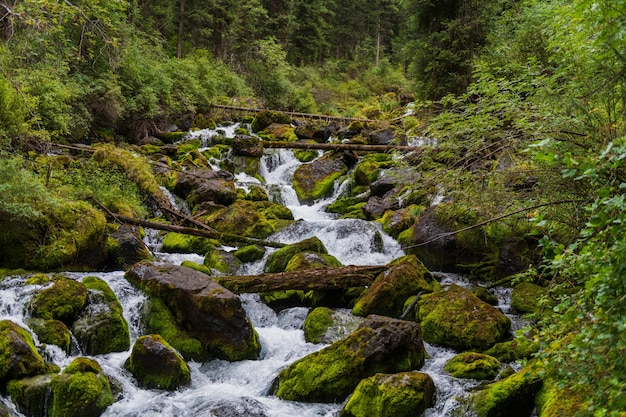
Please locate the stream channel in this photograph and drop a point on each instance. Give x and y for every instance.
(236, 389)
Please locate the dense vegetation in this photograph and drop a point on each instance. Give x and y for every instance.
(536, 85)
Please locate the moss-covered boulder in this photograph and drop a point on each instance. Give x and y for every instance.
(379, 345)
(63, 301)
(454, 317)
(396, 221)
(266, 117)
(32, 395)
(51, 332)
(222, 261)
(101, 326)
(311, 260)
(155, 364)
(473, 365)
(325, 325)
(405, 394)
(206, 310)
(525, 297)
(245, 145)
(279, 132)
(513, 396)
(180, 243)
(316, 179)
(126, 247)
(277, 261)
(513, 350)
(250, 253)
(18, 356)
(242, 218)
(203, 185)
(552, 401)
(81, 390)
(404, 278)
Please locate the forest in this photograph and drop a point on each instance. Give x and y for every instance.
(536, 84)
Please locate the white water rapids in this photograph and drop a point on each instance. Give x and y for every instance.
(224, 389)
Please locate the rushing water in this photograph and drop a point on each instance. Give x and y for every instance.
(233, 389)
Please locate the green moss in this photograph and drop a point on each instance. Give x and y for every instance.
(278, 260)
(51, 332)
(222, 261)
(552, 401)
(30, 395)
(342, 205)
(242, 218)
(180, 243)
(197, 267)
(405, 394)
(82, 364)
(305, 155)
(256, 193)
(38, 279)
(274, 211)
(473, 365)
(395, 222)
(267, 117)
(64, 300)
(525, 297)
(366, 172)
(317, 323)
(18, 355)
(322, 187)
(250, 253)
(158, 319)
(311, 260)
(513, 350)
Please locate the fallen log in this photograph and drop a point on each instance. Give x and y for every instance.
(294, 114)
(310, 279)
(339, 146)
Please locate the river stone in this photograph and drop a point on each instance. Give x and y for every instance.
(244, 145)
(244, 407)
(18, 356)
(325, 325)
(525, 297)
(377, 206)
(311, 260)
(316, 180)
(242, 218)
(155, 364)
(265, 118)
(381, 136)
(128, 248)
(31, 395)
(405, 394)
(205, 185)
(473, 365)
(513, 350)
(454, 317)
(51, 332)
(209, 312)
(278, 260)
(387, 295)
(101, 327)
(63, 301)
(379, 345)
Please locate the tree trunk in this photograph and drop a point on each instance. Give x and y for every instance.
(306, 280)
(181, 16)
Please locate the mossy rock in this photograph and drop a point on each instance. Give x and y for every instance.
(155, 364)
(242, 218)
(197, 267)
(51, 332)
(278, 260)
(513, 350)
(316, 180)
(188, 146)
(395, 222)
(325, 325)
(311, 260)
(265, 118)
(305, 155)
(552, 401)
(256, 193)
(473, 365)
(405, 394)
(283, 132)
(274, 211)
(250, 253)
(63, 301)
(18, 356)
(222, 261)
(31, 396)
(101, 326)
(39, 279)
(367, 171)
(158, 319)
(525, 297)
(510, 397)
(82, 390)
(405, 276)
(344, 205)
(180, 243)
(485, 295)
(454, 317)
(380, 345)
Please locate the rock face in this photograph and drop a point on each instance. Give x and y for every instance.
(155, 364)
(316, 180)
(405, 277)
(18, 356)
(202, 185)
(207, 311)
(454, 317)
(379, 345)
(406, 394)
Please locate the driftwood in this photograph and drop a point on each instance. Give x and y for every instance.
(311, 279)
(338, 146)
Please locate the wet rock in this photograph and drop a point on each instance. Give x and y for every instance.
(244, 407)
(325, 325)
(514, 257)
(18, 356)
(405, 394)
(525, 297)
(208, 311)
(278, 260)
(266, 117)
(454, 317)
(377, 206)
(310, 260)
(485, 295)
(316, 180)
(381, 136)
(473, 365)
(387, 295)
(155, 364)
(244, 145)
(128, 248)
(242, 218)
(51, 332)
(63, 301)
(32, 396)
(101, 327)
(205, 185)
(513, 350)
(380, 344)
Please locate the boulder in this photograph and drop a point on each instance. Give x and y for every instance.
(265, 118)
(405, 394)
(18, 356)
(244, 145)
(377, 206)
(126, 247)
(454, 317)
(325, 325)
(513, 350)
(101, 326)
(31, 395)
(525, 297)
(278, 260)
(316, 179)
(283, 132)
(387, 295)
(513, 396)
(208, 311)
(311, 260)
(553, 401)
(379, 345)
(242, 218)
(155, 364)
(205, 185)
(63, 301)
(473, 365)
(381, 136)
(240, 407)
(51, 332)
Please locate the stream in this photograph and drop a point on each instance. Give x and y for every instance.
(232, 389)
